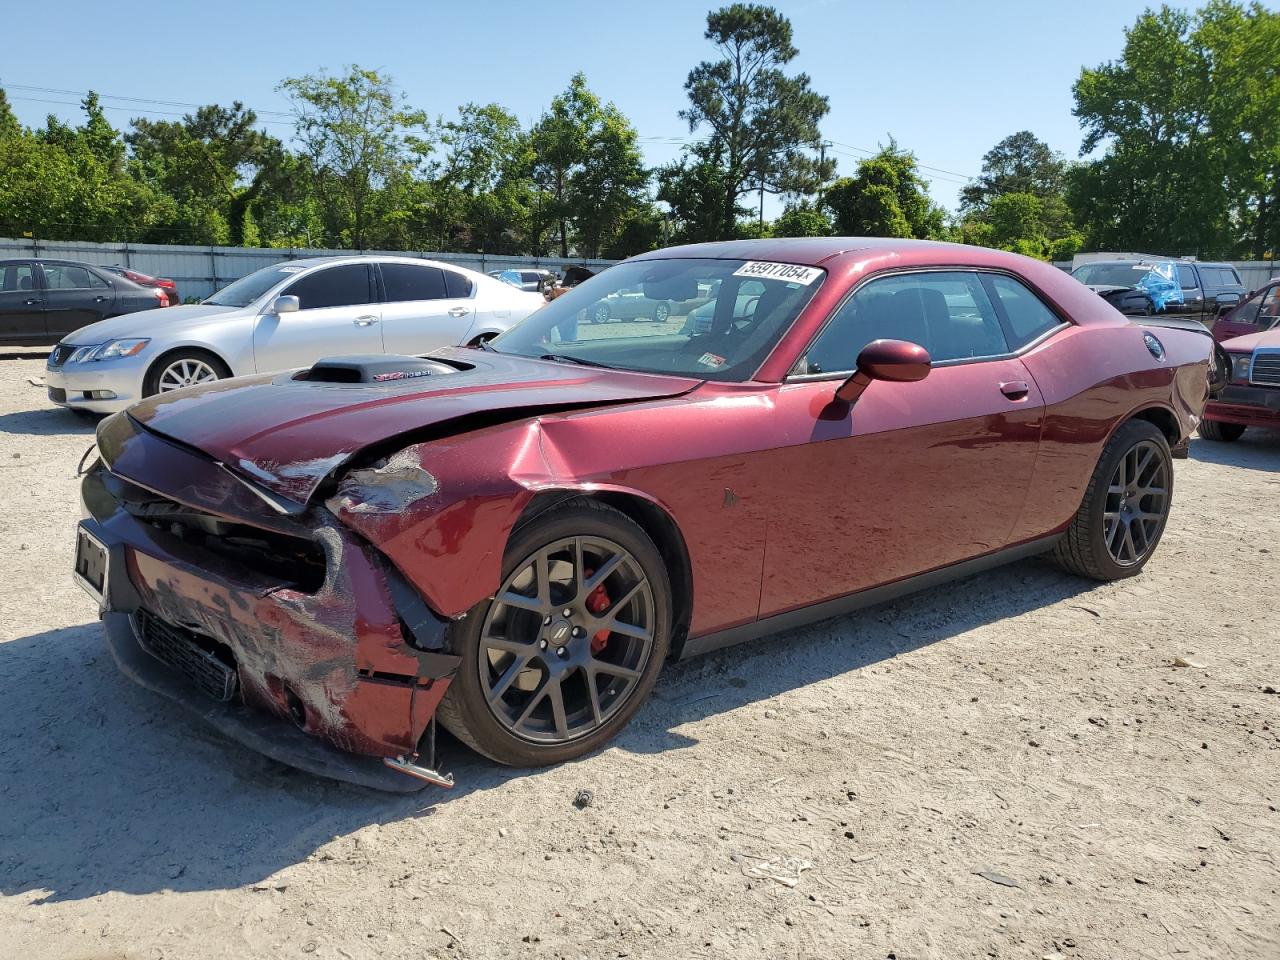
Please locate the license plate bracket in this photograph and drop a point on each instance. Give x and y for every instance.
(92, 562)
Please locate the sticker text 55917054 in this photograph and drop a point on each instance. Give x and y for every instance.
(788, 272)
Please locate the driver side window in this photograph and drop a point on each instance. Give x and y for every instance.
(947, 313)
(345, 285)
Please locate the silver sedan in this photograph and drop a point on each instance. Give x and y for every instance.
(283, 316)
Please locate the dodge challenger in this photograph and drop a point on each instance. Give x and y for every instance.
(511, 540)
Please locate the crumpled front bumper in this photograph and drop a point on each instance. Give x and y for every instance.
(332, 680)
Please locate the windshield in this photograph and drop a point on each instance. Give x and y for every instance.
(248, 289)
(712, 319)
(1113, 274)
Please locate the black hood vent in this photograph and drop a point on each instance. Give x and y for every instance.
(375, 368)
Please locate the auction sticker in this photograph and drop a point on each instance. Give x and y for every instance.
(292, 269)
(790, 272)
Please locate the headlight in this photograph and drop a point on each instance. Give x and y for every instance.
(114, 349)
(1240, 366)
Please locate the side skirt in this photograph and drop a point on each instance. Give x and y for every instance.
(793, 619)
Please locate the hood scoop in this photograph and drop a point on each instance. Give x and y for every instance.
(375, 368)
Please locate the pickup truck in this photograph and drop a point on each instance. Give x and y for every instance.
(1164, 287)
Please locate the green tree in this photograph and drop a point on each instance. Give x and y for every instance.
(1020, 163)
(803, 220)
(215, 167)
(588, 170)
(1190, 133)
(886, 197)
(363, 144)
(694, 188)
(762, 123)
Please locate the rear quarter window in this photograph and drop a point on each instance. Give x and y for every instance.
(1028, 317)
(456, 285)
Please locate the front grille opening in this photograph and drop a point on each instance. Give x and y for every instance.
(295, 562)
(207, 663)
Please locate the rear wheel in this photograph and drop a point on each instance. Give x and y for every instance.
(183, 368)
(569, 647)
(600, 313)
(661, 312)
(1221, 432)
(1125, 507)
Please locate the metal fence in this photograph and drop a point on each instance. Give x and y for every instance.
(199, 271)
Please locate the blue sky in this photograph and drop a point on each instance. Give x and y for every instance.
(946, 79)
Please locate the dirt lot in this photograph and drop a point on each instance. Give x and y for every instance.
(1022, 723)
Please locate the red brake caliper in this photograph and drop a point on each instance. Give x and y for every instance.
(598, 602)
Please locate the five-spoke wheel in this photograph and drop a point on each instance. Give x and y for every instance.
(1125, 506)
(566, 650)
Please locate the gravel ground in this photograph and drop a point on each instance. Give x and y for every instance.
(1010, 767)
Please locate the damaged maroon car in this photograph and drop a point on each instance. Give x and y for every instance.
(512, 540)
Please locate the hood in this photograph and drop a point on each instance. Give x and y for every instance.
(146, 323)
(1253, 341)
(288, 434)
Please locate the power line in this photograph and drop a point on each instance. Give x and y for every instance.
(112, 96)
(134, 110)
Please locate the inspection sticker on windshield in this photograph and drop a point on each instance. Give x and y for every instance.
(790, 272)
(711, 360)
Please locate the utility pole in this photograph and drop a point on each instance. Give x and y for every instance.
(762, 203)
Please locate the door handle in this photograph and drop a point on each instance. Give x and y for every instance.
(365, 321)
(33, 301)
(99, 299)
(459, 311)
(1015, 389)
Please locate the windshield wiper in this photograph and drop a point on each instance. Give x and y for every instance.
(561, 358)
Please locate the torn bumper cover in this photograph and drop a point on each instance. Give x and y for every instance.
(295, 638)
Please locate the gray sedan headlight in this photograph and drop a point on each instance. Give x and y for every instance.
(111, 350)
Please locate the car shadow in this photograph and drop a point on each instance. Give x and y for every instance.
(49, 422)
(107, 787)
(1258, 449)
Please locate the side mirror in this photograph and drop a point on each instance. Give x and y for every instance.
(286, 304)
(896, 361)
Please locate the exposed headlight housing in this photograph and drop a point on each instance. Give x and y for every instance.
(111, 350)
(1240, 366)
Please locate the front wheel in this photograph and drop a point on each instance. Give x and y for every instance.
(1221, 432)
(183, 368)
(1125, 506)
(600, 313)
(661, 312)
(569, 647)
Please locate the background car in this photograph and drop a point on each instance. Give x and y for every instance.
(144, 280)
(1252, 398)
(286, 315)
(628, 305)
(533, 281)
(515, 541)
(1168, 287)
(1261, 311)
(42, 300)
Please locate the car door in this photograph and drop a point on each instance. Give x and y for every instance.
(74, 297)
(425, 307)
(1193, 299)
(1260, 312)
(21, 303)
(337, 314)
(912, 476)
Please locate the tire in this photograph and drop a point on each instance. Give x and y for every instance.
(1103, 542)
(167, 367)
(1221, 432)
(661, 312)
(520, 675)
(600, 313)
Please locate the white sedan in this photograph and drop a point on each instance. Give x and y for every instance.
(283, 316)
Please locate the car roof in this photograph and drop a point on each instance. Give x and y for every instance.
(813, 251)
